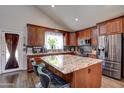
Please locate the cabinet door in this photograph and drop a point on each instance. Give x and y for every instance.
(35, 36)
(94, 32)
(40, 36)
(82, 35)
(103, 28)
(94, 36)
(67, 39)
(115, 26)
(72, 39)
(94, 41)
(87, 33)
(31, 36)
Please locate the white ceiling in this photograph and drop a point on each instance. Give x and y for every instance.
(88, 15)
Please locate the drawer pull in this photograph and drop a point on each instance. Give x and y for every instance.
(89, 70)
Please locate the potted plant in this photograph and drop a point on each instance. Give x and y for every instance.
(52, 42)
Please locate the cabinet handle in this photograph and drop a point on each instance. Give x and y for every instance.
(89, 70)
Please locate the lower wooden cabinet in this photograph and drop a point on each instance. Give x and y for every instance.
(89, 77)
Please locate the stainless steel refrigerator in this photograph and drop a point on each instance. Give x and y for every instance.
(110, 50)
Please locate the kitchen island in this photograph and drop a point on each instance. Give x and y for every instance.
(80, 72)
(37, 57)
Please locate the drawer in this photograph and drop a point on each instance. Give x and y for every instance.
(112, 73)
(113, 65)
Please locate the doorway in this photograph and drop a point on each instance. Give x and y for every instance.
(11, 54)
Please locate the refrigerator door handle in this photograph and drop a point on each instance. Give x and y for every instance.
(106, 48)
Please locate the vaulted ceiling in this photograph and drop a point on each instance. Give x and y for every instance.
(88, 15)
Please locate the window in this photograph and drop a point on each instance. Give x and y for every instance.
(53, 40)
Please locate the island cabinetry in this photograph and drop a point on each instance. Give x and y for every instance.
(89, 77)
(84, 73)
(38, 60)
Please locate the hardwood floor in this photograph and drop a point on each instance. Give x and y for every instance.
(22, 79)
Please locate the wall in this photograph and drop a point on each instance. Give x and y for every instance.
(18, 16)
(15, 18)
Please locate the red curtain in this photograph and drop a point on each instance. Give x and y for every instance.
(11, 42)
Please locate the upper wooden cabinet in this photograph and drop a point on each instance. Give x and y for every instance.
(84, 34)
(35, 36)
(67, 39)
(94, 35)
(73, 39)
(95, 32)
(115, 26)
(102, 28)
(87, 33)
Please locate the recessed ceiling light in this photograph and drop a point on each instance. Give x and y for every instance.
(76, 19)
(52, 5)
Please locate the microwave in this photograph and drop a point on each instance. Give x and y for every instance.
(85, 42)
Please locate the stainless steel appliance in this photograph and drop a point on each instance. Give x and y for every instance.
(110, 50)
(38, 50)
(85, 42)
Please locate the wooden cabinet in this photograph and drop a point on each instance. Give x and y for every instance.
(40, 36)
(67, 39)
(89, 77)
(84, 34)
(31, 35)
(70, 38)
(35, 36)
(87, 33)
(94, 35)
(114, 26)
(102, 28)
(73, 39)
(38, 58)
(79, 35)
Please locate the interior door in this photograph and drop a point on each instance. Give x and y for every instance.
(11, 52)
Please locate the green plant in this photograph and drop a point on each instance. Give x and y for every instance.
(52, 42)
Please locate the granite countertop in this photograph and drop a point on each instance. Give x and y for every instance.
(49, 53)
(69, 63)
